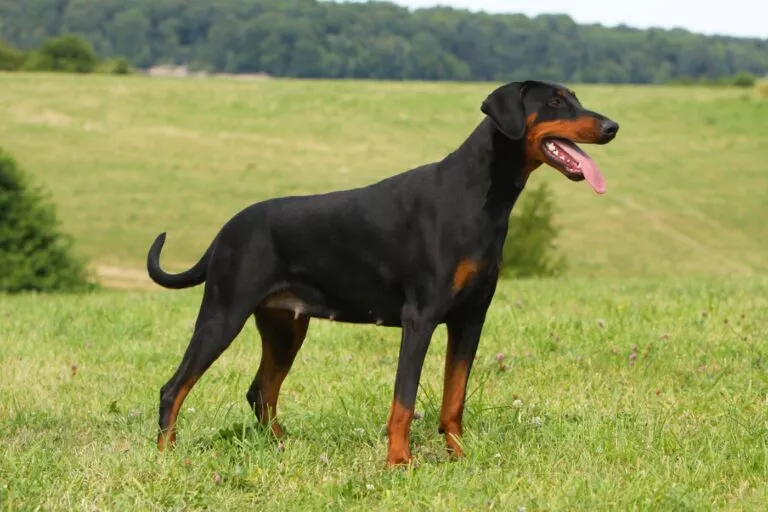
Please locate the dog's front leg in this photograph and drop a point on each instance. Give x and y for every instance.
(416, 335)
(463, 339)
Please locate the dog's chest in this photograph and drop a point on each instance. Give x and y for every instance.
(476, 271)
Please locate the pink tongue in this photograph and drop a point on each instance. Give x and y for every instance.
(588, 166)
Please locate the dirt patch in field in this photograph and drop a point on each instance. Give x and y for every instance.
(124, 278)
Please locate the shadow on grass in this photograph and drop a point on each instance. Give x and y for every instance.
(255, 435)
(251, 435)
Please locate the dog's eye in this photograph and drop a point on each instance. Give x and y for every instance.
(556, 102)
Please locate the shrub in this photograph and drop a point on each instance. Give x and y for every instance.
(34, 61)
(530, 249)
(34, 254)
(744, 79)
(118, 66)
(11, 58)
(68, 53)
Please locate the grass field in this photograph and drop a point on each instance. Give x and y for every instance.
(637, 382)
(682, 425)
(127, 158)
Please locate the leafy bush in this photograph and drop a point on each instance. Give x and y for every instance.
(11, 58)
(744, 79)
(68, 53)
(118, 66)
(34, 254)
(34, 61)
(530, 249)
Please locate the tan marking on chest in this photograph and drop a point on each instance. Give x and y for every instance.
(465, 271)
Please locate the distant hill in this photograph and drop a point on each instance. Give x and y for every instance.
(126, 158)
(307, 38)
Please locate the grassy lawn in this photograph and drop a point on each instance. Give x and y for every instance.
(127, 158)
(680, 425)
(639, 381)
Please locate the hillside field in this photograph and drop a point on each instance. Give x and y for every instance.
(128, 158)
(638, 381)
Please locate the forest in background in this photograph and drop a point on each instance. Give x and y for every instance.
(311, 39)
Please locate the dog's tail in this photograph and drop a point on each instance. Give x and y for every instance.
(192, 277)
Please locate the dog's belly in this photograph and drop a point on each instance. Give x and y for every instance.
(305, 300)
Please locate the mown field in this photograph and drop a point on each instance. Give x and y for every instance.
(639, 381)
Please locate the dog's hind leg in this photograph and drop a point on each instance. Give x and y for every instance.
(218, 323)
(282, 334)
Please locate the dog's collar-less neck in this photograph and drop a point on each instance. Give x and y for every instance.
(496, 164)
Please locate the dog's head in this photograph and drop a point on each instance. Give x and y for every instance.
(550, 120)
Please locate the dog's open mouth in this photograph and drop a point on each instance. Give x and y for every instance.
(575, 164)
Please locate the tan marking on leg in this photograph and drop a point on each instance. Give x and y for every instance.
(452, 410)
(454, 391)
(272, 372)
(398, 434)
(168, 438)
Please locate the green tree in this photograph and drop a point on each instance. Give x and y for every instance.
(129, 33)
(11, 59)
(312, 38)
(68, 53)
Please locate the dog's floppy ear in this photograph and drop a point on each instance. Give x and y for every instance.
(505, 108)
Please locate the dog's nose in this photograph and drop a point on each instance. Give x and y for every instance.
(609, 129)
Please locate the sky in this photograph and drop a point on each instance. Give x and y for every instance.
(744, 18)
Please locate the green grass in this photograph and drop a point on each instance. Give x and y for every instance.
(129, 157)
(683, 428)
(671, 266)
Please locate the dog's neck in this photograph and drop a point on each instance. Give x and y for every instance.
(491, 166)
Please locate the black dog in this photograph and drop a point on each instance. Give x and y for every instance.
(415, 250)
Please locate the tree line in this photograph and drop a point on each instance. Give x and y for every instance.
(67, 53)
(310, 38)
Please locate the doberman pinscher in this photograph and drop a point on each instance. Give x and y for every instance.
(415, 250)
